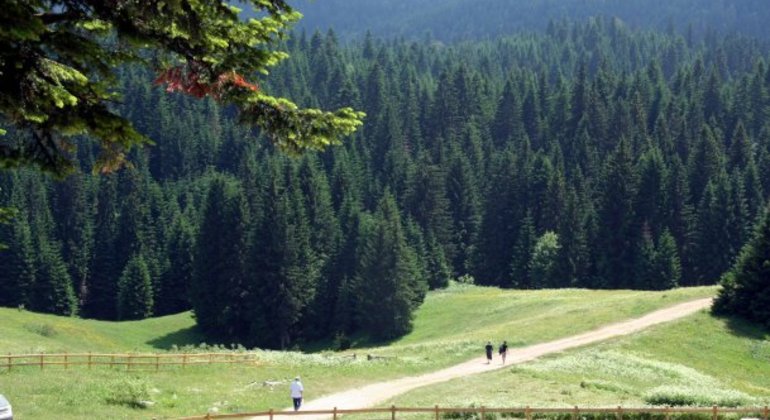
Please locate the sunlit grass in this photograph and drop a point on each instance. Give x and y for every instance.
(698, 361)
(451, 326)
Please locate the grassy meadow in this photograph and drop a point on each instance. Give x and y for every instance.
(699, 360)
(450, 327)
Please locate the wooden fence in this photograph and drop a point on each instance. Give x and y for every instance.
(129, 361)
(527, 413)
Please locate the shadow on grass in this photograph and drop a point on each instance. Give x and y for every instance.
(746, 329)
(342, 343)
(186, 336)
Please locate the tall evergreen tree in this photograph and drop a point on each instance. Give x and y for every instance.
(745, 287)
(521, 264)
(17, 263)
(617, 231)
(135, 297)
(219, 291)
(286, 270)
(173, 293)
(52, 290)
(389, 286)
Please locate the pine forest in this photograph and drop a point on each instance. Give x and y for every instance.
(589, 154)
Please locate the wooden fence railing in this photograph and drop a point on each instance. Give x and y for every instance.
(527, 413)
(130, 361)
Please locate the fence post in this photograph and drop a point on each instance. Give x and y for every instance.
(184, 360)
(436, 411)
(112, 360)
(668, 415)
(10, 364)
(482, 412)
(128, 365)
(527, 413)
(334, 414)
(392, 412)
(41, 362)
(89, 360)
(620, 413)
(575, 413)
(66, 365)
(766, 411)
(715, 409)
(271, 414)
(157, 362)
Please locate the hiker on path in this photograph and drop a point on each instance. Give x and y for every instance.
(296, 393)
(503, 350)
(489, 349)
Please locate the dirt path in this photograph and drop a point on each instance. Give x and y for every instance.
(376, 393)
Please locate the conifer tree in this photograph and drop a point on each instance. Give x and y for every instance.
(492, 260)
(389, 286)
(75, 205)
(286, 270)
(219, 291)
(429, 205)
(465, 205)
(645, 275)
(17, 263)
(100, 295)
(135, 297)
(745, 287)
(716, 231)
(173, 293)
(438, 271)
(667, 263)
(521, 264)
(52, 290)
(617, 231)
(573, 260)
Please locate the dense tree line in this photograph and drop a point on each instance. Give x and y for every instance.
(590, 156)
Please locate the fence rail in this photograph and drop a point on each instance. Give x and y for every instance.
(130, 361)
(523, 412)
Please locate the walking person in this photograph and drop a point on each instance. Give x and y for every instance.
(296, 393)
(503, 350)
(489, 349)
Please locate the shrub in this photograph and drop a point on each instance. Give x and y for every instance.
(130, 392)
(682, 395)
(46, 330)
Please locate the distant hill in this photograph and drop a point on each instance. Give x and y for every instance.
(452, 20)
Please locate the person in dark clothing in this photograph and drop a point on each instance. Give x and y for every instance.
(503, 350)
(489, 349)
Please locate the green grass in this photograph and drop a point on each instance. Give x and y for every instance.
(451, 326)
(29, 332)
(699, 360)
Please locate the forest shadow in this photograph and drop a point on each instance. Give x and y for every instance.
(743, 328)
(346, 343)
(189, 336)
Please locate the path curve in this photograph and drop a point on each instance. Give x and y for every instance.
(376, 393)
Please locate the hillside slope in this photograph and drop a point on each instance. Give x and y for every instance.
(700, 360)
(451, 327)
(30, 332)
(375, 393)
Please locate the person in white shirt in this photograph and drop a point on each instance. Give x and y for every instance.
(296, 393)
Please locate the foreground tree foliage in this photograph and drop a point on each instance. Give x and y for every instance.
(58, 62)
